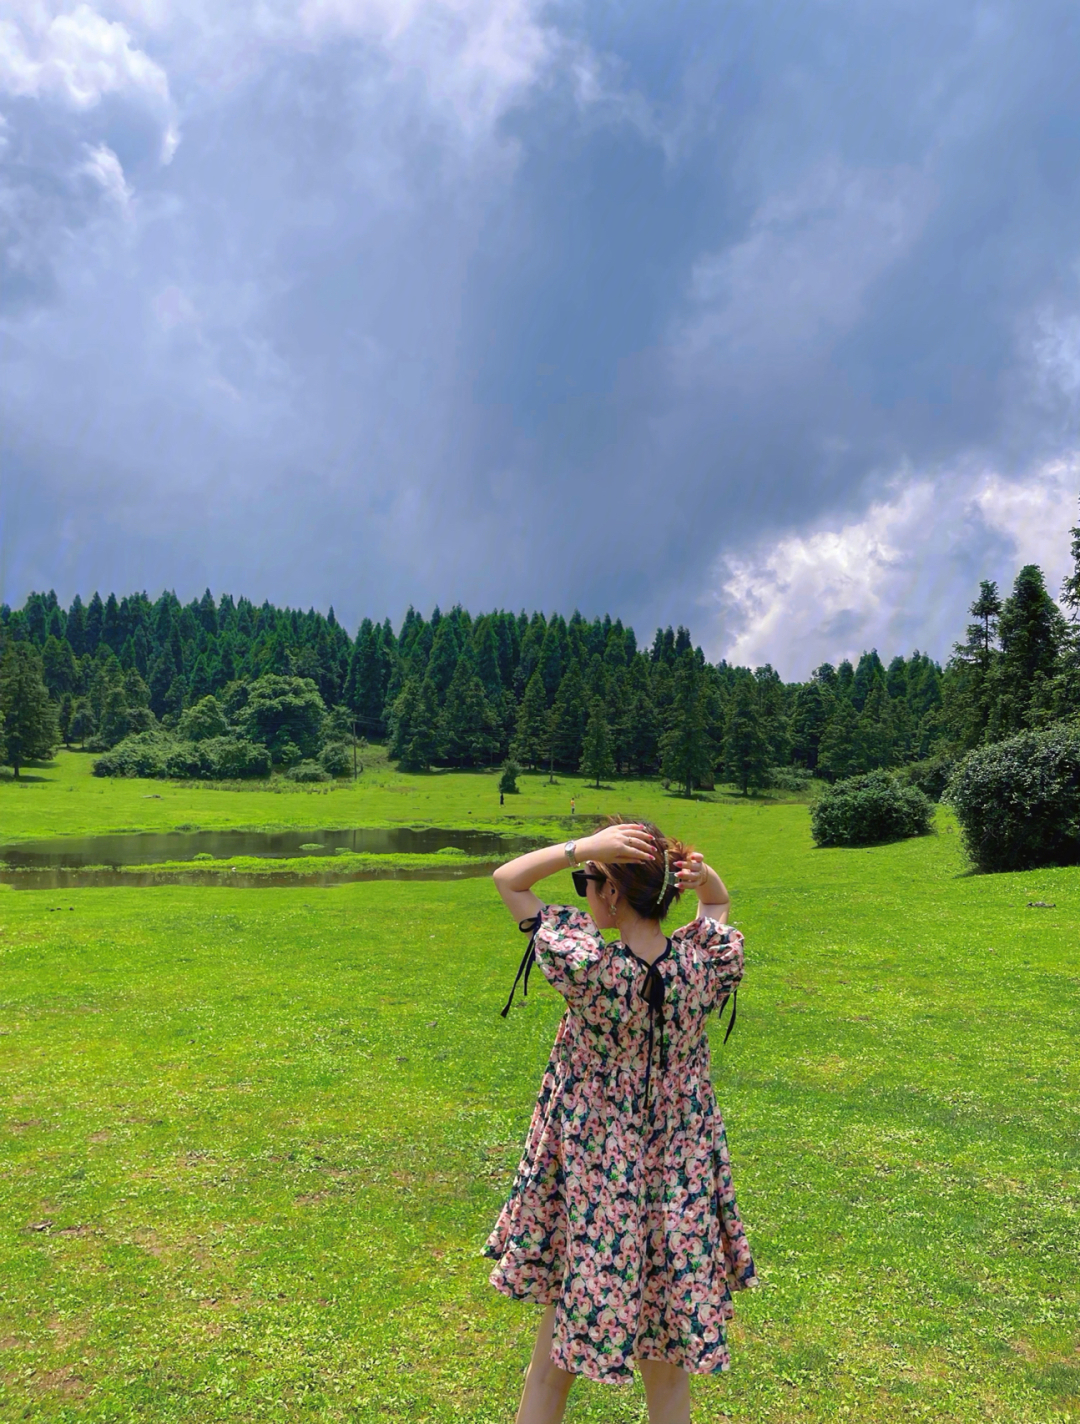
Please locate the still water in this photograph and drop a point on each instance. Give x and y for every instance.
(63, 862)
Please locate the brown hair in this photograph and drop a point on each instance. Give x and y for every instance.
(647, 884)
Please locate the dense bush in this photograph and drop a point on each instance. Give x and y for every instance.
(234, 759)
(1018, 802)
(284, 713)
(867, 809)
(159, 754)
(336, 759)
(307, 771)
(203, 721)
(930, 776)
(789, 778)
(510, 773)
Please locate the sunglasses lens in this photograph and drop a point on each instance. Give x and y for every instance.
(581, 881)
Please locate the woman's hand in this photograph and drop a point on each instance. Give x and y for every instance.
(714, 902)
(692, 873)
(619, 845)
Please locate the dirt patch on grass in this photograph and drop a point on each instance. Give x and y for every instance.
(64, 1382)
(65, 1331)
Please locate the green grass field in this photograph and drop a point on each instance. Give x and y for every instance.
(251, 1141)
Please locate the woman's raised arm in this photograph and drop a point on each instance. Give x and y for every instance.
(714, 902)
(611, 846)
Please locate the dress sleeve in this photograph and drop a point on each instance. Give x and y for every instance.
(720, 949)
(568, 950)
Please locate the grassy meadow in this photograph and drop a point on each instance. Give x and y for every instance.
(252, 1140)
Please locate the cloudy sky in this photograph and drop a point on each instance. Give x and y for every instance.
(763, 318)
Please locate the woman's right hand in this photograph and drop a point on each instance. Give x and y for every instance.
(624, 843)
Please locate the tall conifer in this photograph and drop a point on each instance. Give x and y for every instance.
(596, 752)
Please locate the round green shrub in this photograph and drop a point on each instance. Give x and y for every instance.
(336, 759)
(931, 775)
(234, 759)
(510, 773)
(144, 754)
(789, 778)
(1018, 801)
(161, 754)
(307, 771)
(870, 809)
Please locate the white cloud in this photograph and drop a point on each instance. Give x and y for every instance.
(472, 58)
(103, 166)
(903, 573)
(475, 56)
(801, 273)
(78, 57)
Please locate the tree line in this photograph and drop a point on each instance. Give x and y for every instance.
(540, 691)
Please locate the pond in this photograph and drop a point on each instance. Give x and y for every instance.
(63, 862)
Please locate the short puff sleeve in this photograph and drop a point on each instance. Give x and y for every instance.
(720, 949)
(569, 949)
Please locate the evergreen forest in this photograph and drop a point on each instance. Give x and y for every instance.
(223, 687)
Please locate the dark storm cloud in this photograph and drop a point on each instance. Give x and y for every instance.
(563, 317)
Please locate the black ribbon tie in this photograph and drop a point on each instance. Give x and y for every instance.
(529, 927)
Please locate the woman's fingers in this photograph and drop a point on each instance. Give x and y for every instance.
(692, 871)
(633, 843)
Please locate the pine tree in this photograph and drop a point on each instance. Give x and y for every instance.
(95, 618)
(467, 732)
(837, 756)
(568, 717)
(58, 666)
(639, 731)
(423, 741)
(201, 684)
(686, 750)
(82, 724)
(746, 747)
(896, 679)
(809, 718)
(365, 688)
(76, 626)
(163, 673)
(874, 736)
(1033, 634)
(552, 659)
(486, 656)
(530, 744)
(402, 715)
(772, 710)
(596, 752)
(867, 676)
(28, 726)
(207, 614)
(983, 634)
(445, 652)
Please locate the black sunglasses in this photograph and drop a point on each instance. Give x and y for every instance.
(581, 880)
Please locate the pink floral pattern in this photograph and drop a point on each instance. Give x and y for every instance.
(624, 1215)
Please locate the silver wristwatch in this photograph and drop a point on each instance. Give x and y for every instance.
(570, 848)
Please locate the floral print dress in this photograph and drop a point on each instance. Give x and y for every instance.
(622, 1211)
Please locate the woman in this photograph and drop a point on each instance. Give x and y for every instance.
(622, 1219)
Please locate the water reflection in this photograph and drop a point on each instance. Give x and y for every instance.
(152, 847)
(66, 878)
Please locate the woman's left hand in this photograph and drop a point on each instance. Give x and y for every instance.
(620, 844)
(692, 872)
